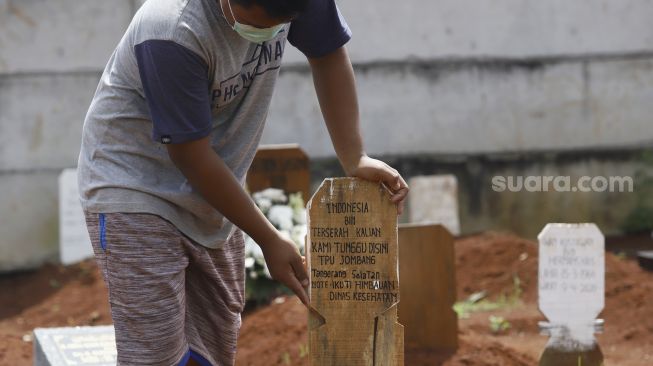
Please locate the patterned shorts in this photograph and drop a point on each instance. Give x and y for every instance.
(171, 298)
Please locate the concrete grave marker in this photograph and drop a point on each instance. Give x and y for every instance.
(352, 255)
(74, 242)
(434, 200)
(427, 271)
(75, 346)
(645, 259)
(571, 276)
(280, 166)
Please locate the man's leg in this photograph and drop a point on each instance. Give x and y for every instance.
(215, 293)
(143, 261)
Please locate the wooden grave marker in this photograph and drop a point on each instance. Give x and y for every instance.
(280, 166)
(352, 256)
(428, 287)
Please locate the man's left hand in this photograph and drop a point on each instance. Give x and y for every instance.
(378, 171)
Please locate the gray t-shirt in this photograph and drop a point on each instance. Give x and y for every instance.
(181, 73)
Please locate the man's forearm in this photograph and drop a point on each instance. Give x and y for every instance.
(211, 177)
(334, 81)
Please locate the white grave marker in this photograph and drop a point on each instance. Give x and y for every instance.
(75, 346)
(571, 273)
(434, 200)
(74, 242)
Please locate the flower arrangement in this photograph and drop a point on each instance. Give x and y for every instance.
(288, 214)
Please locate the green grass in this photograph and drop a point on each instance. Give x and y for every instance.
(285, 358)
(478, 302)
(303, 350)
(498, 324)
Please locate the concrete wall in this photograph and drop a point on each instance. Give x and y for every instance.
(467, 76)
(51, 57)
(421, 29)
(60, 35)
(484, 106)
(526, 212)
(458, 77)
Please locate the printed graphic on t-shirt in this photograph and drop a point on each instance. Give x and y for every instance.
(266, 57)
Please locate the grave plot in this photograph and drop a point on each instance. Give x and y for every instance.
(276, 335)
(352, 255)
(490, 262)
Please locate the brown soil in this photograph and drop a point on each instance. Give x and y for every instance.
(488, 262)
(53, 296)
(275, 335)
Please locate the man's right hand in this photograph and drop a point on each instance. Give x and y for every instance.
(211, 177)
(286, 266)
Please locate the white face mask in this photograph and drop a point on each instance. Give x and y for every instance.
(251, 33)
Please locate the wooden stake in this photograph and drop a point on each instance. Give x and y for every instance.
(428, 287)
(352, 255)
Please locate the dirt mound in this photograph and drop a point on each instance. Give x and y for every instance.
(488, 262)
(481, 351)
(628, 309)
(492, 262)
(53, 296)
(276, 335)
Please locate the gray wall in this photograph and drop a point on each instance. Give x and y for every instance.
(481, 106)
(469, 76)
(461, 77)
(527, 212)
(51, 56)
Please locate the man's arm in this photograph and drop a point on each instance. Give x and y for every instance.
(175, 82)
(211, 177)
(333, 76)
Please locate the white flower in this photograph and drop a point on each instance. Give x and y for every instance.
(281, 217)
(289, 218)
(299, 216)
(252, 250)
(263, 204)
(298, 235)
(274, 194)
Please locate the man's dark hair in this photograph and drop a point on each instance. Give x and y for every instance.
(279, 9)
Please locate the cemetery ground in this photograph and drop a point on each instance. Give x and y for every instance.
(498, 326)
